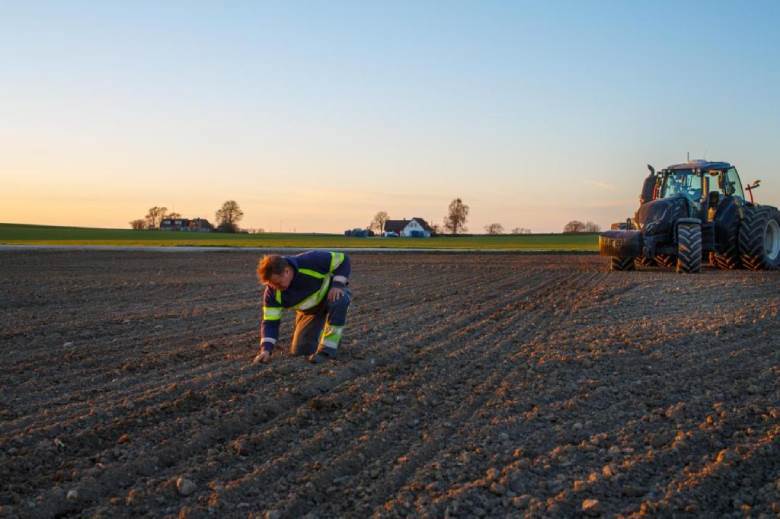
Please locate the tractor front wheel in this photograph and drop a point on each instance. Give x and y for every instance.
(759, 238)
(621, 263)
(689, 248)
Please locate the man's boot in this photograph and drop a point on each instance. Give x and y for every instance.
(323, 354)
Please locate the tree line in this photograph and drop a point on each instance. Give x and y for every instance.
(457, 215)
(227, 217)
(575, 226)
(454, 221)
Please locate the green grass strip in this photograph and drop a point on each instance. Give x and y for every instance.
(22, 234)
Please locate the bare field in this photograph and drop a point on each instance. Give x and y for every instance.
(468, 386)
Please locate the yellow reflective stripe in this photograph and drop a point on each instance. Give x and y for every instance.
(332, 332)
(336, 259)
(314, 299)
(312, 273)
(331, 336)
(271, 313)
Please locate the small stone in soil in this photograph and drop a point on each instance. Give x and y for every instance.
(185, 486)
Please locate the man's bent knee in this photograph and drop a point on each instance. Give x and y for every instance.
(341, 303)
(303, 347)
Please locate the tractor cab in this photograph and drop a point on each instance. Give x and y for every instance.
(708, 192)
(704, 185)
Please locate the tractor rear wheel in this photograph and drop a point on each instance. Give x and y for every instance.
(621, 263)
(688, 248)
(759, 238)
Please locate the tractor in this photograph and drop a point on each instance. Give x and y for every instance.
(691, 213)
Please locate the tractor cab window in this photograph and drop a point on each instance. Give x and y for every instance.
(732, 184)
(714, 187)
(682, 182)
(713, 181)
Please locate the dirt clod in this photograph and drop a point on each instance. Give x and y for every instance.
(591, 507)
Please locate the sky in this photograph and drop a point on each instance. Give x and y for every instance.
(314, 115)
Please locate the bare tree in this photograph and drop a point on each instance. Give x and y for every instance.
(155, 216)
(494, 228)
(456, 217)
(592, 227)
(436, 228)
(574, 226)
(378, 223)
(138, 225)
(173, 215)
(521, 230)
(228, 216)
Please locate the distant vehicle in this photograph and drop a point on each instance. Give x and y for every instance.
(359, 233)
(693, 211)
(389, 234)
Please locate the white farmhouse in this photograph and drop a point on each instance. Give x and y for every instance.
(414, 228)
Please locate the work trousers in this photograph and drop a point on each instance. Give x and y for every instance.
(312, 325)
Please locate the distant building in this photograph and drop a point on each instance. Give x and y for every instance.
(185, 224)
(200, 225)
(415, 228)
(174, 224)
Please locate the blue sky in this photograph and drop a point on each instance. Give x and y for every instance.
(315, 115)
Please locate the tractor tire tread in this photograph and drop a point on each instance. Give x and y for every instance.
(751, 237)
(689, 248)
(641, 261)
(620, 263)
(666, 260)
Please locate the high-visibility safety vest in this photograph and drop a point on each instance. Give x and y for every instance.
(271, 313)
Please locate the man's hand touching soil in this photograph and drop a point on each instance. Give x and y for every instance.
(263, 357)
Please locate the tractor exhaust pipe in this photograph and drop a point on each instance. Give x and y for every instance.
(648, 188)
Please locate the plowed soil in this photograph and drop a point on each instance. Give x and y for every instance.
(467, 386)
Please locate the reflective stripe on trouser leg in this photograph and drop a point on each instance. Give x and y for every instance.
(337, 318)
(331, 336)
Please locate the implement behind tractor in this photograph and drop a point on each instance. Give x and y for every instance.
(692, 212)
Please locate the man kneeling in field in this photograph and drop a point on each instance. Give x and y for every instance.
(315, 285)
